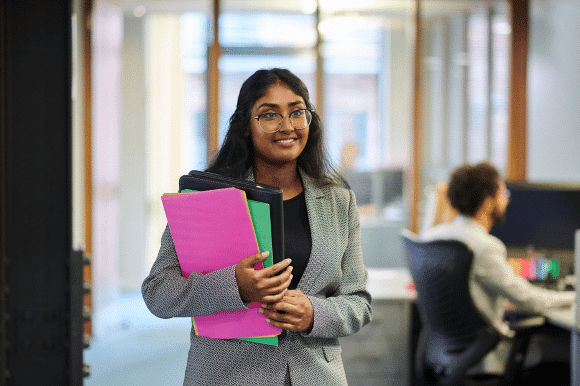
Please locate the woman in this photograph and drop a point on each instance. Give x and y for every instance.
(275, 138)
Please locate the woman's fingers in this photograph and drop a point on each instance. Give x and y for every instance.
(250, 261)
(273, 298)
(285, 320)
(275, 268)
(279, 283)
(280, 306)
(273, 288)
(294, 312)
(263, 285)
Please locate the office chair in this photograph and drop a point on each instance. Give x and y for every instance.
(454, 336)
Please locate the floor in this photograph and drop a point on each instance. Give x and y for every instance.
(140, 349)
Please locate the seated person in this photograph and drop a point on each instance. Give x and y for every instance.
(481, 198)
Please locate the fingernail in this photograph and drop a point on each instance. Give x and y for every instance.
(263, 305)
(260, 310)
(289, 260)
(265, 253)
(268, 320)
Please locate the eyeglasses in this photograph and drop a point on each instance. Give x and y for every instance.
(272, 122)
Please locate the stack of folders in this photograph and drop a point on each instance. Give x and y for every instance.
(215, 222)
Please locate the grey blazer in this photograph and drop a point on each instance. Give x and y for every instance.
(334, 281)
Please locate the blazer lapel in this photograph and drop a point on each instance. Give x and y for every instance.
(316, 207)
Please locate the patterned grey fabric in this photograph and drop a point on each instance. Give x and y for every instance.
(334, 281)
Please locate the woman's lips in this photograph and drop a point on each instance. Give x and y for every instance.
(286, 141)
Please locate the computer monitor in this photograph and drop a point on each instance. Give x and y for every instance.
(392, 185)
(544, 216)
(361, 184)
(380, 187)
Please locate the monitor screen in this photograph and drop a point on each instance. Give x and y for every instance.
(540, 215)
(361, 185)
(392, 185)
(379, 187)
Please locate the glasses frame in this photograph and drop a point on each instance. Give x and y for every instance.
(257, 118)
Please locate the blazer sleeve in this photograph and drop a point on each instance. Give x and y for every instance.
(167, 293)
(348, 309)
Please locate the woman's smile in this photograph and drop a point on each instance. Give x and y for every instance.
(286, 142)
(285, 145)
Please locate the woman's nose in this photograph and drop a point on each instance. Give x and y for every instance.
(286, 125)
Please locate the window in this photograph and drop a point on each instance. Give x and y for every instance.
(253, 40)
(367, 72)
(465, 81)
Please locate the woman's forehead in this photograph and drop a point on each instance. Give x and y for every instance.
(279, 94)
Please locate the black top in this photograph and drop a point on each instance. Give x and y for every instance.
(297, 238)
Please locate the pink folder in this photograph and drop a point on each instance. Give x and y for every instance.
(235, 324)
(212, 230)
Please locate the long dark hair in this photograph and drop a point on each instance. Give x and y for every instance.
(236, 155)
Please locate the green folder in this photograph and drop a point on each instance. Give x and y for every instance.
(260, 213)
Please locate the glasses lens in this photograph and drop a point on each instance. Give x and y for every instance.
(270, 122)
(301, 118)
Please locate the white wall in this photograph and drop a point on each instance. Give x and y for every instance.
(107, 35)
(554, 91)
(78, 139)
(400, 88)
(133, 206)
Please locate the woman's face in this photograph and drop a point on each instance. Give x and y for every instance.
(286, 144)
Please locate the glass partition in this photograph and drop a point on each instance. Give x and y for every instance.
(257, 36)
(465, 85)
(367, 52)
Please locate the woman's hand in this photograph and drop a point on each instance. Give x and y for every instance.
(298, 316)
(261, 285)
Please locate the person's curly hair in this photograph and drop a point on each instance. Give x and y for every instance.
(470, 185)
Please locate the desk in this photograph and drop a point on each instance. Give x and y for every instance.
(379, 354)
(566, 318)
(569, 319)
(382, 352)
(377, 237)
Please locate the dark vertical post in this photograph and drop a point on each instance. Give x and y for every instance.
(41, 322)
(4, 372)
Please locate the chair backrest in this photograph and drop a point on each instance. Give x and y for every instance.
(451, 322)
(440, 271)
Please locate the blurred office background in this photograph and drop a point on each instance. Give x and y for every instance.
(153, 90)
